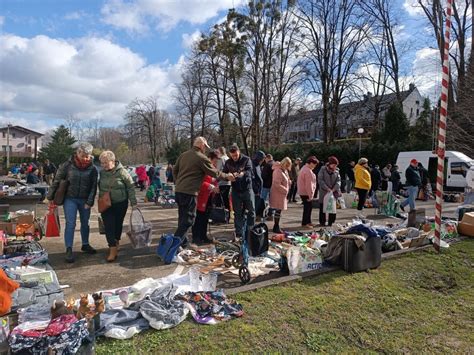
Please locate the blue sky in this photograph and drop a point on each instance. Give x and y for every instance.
(88, 59)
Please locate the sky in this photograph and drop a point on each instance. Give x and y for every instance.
(88, 59)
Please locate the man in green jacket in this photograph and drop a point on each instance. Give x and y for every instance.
(189, 171)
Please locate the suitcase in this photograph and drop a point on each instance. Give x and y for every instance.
(416, 218)
(356, 260)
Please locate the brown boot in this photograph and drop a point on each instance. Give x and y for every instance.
(112, 254)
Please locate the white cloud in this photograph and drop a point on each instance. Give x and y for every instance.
(188, 40)
(413, 8)
(2, 20)
(33, 123)
(76, 15)
(87, 77)
(138, 15)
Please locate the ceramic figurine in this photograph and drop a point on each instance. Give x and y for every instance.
(83, 306)
(99, 302)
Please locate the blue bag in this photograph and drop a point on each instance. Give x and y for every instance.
(168, 247)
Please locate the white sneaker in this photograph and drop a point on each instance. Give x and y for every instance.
(360, 216)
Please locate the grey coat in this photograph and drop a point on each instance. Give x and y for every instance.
(328, 181)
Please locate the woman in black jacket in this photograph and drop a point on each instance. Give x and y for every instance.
(81, 174)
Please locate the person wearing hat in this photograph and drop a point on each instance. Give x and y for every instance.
(294, 172)
(413, 182)
(257, 183)
(189, 172)
(306, 187)
(363, 182)
(329, 181)
(243, 198)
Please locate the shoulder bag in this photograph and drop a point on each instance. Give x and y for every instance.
(60, 193)
(105, 202)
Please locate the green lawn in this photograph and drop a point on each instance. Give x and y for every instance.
(420, 302)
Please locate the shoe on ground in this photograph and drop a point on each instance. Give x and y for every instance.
(86, 248)
(308, 226)
(69, 255)
(402, 208)
(276, 229)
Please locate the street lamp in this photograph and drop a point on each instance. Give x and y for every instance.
(8, 146)
(360, 131)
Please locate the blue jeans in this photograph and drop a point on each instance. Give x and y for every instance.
(412, 194)
(244, 211)
(71, 206)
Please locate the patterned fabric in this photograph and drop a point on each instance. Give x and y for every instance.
(211, 307)
(64, 335)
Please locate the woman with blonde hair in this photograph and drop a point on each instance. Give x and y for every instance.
(279, 190)
(116, 180)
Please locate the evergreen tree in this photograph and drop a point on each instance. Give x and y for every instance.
(396, 129)
(421, 132)
(60, 148)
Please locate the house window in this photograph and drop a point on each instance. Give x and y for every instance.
(417, 112)
(3, 134)
(417, 102)
(13, 135)
(411, 112)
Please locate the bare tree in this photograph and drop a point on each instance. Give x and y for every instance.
(151, 124)
(333, 33)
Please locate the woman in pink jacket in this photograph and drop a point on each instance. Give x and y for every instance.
(306, 188)
(279, 190)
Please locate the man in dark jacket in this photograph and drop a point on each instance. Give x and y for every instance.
(395, 178)
(350, 177)
(243, 197)
(413, 181)
(49, 169)
(257, 183)
(376, 177)
(267, 177)
(189, 171)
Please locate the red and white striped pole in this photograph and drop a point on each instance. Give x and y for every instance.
(442, 126)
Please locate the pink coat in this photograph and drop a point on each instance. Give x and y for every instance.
(280, 187)
(306, 182)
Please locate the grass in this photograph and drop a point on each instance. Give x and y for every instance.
(420, 302)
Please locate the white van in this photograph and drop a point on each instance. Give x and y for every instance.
(456, 165)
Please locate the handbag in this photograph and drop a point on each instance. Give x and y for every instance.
(258, 239)
(51, 222)
(61, 192)
(219, 214)
(105, 202)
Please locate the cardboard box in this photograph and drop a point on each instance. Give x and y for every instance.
(24, 219)
(466, 226)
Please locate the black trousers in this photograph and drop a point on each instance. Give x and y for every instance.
(322, 216)
(200, 227)
(113, 222)
(225, 190)
(186, 214)
(307, 210)
(293, 190)
(362, 197)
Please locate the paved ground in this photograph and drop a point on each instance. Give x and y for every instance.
(92, 273)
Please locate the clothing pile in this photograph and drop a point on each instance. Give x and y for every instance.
(64, 335)
(211, 307)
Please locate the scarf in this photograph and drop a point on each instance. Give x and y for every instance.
(81, 165)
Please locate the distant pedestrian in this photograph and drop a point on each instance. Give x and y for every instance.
(279, 190)
(224, 185)
(363, 182)
(425, 181)
(49, 170)
(142, 177)
(294, 172)
(350, 178)
(376, 178)
(386, 175)
(413, 182)
(32, 177)
(395, 178)
(267, 177)
(257, 183)
(307, 183)
(329, 182)
(169, 173)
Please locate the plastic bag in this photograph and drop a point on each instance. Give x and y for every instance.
(51, 222)
(140, 231)
(342, 203)
(329, 203)
(301, 259)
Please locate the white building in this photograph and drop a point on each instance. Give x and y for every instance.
(20, 141)
(308, 126)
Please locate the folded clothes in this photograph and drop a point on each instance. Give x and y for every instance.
(120, 322)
